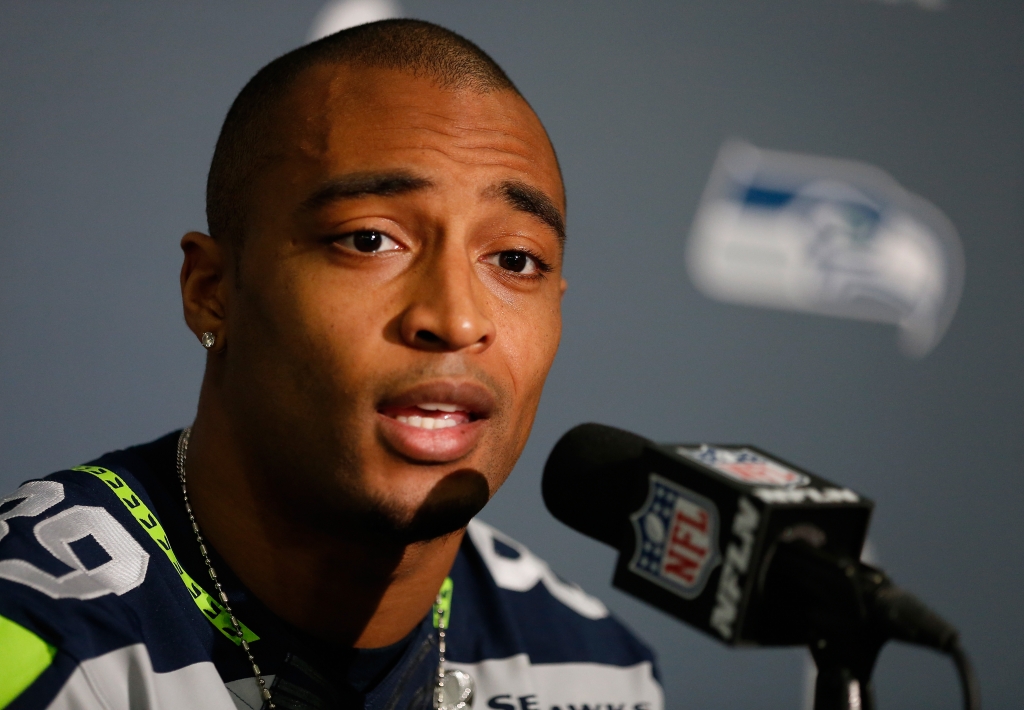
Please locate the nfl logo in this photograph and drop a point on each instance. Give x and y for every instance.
(745, 466)
(676, 538)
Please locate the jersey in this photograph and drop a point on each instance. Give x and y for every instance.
(105, 603)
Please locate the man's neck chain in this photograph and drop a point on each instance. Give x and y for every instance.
(457, 694)
(182, 455)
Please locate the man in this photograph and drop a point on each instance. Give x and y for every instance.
(379, 297)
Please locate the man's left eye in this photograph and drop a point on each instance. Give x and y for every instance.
(368, 241)
(516, 261)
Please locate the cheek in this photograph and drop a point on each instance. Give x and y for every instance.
(530, 345)
(342, 329)
(317, 326)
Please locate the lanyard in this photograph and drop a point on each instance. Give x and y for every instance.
(443, 605)
(211, 609)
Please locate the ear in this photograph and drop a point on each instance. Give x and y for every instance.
(204, 286)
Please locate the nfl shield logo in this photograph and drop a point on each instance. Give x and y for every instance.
(745, 466)
(676, 538)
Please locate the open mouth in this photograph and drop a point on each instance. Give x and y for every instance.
(436, 421)
(439, 405)
(431, 415)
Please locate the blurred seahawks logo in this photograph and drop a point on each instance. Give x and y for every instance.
(828, 236)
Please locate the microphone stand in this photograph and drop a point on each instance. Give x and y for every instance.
(844, 674)
(845, 653)
(845, 611)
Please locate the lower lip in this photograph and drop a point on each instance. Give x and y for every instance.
(430, 445)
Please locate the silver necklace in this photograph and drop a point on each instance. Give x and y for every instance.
(454, 688)
(442, 623)
(182, 455)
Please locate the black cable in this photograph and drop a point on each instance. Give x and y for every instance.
(901, 616)
(968, 681)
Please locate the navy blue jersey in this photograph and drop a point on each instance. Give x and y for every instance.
(104, 604)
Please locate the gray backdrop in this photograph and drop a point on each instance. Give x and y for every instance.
(109, 112)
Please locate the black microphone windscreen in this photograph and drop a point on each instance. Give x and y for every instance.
(585, 479)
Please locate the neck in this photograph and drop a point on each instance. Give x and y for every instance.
(358, 593)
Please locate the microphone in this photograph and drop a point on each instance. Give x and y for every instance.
(744, 546)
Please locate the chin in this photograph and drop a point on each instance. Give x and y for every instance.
(449, 507)
(382, 518)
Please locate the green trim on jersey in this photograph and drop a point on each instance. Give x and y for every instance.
(211, 609)
(23, 657)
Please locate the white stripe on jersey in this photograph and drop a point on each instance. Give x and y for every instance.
(514, 683)
(124, 680)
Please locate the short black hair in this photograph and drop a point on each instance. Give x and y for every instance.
(414, 46)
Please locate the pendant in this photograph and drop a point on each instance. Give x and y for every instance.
(457, 693)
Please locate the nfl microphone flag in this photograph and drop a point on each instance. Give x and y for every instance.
(746, 547)
(696, 526)
(696, 547)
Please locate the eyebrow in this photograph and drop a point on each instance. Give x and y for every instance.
(517, 194)
(353, 185)
(529, 199)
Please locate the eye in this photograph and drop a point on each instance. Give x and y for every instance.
(368, 241)
(516, 261)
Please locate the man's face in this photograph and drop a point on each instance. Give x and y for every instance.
(398, 299)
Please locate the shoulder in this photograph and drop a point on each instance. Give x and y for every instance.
(82, 595)
(60, 538)
(515, 568)
(535, 641)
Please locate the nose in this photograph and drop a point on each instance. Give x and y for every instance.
(448, 311)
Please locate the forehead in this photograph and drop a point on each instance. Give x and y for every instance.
(339, 118)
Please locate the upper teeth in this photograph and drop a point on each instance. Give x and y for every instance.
(427, 422)
(433, 407)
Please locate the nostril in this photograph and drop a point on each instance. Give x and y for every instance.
(427, 337)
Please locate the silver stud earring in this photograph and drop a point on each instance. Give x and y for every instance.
(208, 339)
